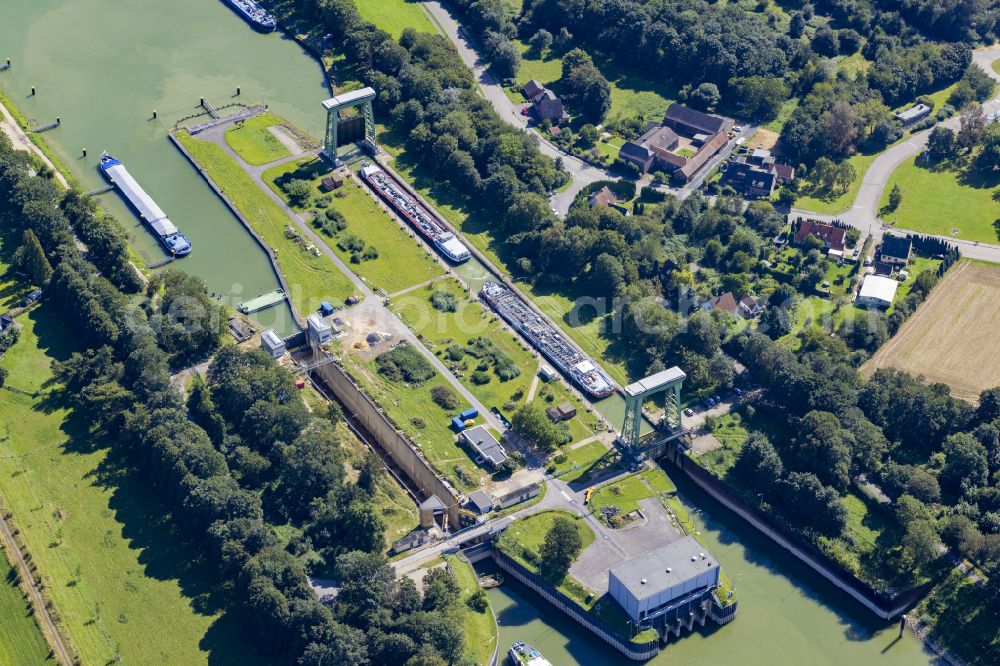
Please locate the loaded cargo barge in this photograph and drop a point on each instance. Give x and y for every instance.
(428, 226)
(583, 371)
(253, 14)
(175, 242)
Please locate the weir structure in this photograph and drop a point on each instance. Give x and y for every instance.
(341, 131)
(668, 382)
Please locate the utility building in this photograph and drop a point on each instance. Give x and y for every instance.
(272, 344)
(317, 330)
(664, 584)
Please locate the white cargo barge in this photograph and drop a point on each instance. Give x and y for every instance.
(581, 370)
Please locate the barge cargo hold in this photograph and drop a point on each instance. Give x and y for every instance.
(428, 226)
(263, 301)
(581, 370)
(253, 14)
(175, 242)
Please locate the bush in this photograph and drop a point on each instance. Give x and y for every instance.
(480, 378)
(370, 253)
(478, 602)
(445, 397)
(404, 363)
(505, 368)
(298, 191)
(444, 301)
(351, 243)
(455, 352)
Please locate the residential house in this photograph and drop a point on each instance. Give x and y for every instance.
(547, 106)
(603, 198)
(31, 298)
(724, 303)
(748, 179)
(895, 250)
(831, 236)
(749, 307)
(488, 450)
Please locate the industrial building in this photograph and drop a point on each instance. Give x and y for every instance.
(877, 291)
(317, 330)
(272, 343)
(653, 588)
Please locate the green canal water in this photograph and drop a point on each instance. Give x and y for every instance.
(787, 615)
(103, 66)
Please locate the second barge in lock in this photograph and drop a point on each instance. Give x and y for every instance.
(428, 226)
(254, 14)
(586, 374)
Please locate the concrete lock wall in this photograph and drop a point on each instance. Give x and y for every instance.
(383, 431)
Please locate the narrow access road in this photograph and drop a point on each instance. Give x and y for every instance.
(864, 212)
(372, 301)
(21, 141)
(47, 625)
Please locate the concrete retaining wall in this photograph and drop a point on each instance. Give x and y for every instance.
(384, 432)
(887, 608)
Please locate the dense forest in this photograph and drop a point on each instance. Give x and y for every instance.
(240, 456)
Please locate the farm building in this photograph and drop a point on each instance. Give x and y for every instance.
(488, 450)
(877, 291)
(681, 144)
(659, 584)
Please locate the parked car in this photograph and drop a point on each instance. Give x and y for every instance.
(717, 399)
(688, 412)
(738, 392)
(524, 110)
(737, 128)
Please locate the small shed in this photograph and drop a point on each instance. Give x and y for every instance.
(332, 182)
(272, 343)
(566, 411)
(470, 413)
(480, 501)
(547, 373)
(553, 414)
(318, 330)
(6, 321)
(31, 298)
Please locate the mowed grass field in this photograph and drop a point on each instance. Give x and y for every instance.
(310, 278)
(940, 201)
(21, 642)
(113, 566)
(254, 142)
(394, 16)
(401, 263)
(952, 337)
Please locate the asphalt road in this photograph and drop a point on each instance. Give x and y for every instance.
(863, 214)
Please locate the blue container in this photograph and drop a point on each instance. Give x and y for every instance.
(470, 413)
(458, 424)
(325, 308)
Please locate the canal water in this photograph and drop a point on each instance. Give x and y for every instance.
(787, 615)
(103, 66)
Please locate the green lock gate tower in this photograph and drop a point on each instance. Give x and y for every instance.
(341, 131)
(670, 428)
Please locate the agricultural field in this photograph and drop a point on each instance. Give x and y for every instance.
(21, 642)
(111, 562)
(401, 261)
(943, 201)
(443, 330)
(254, 142)
(395, 16)
(952, 336)
(311, 276)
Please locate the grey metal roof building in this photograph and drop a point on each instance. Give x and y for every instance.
(485, 445)
(654, 583)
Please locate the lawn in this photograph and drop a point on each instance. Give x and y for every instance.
(480, 628)
(395, 16)
(440, 330)
(21, 642)
(111, 562)
(310, 278)
(626, 493)
(832, 203)
(938, 201)
(252, 140)
(401, 261)
(426, 423)
(579, 462)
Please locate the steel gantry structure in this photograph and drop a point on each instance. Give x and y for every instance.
(668, 382)
(354, 99)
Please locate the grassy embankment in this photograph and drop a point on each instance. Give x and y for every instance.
(21, 642)
(941, 199)
(254, 142)
(578, 464)
(424, 421)
(480, 628)
(111, 563)
(310, 278)
(401, 262)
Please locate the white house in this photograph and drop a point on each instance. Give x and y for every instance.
(877, 291)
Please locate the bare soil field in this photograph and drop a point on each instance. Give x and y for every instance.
(952, 337)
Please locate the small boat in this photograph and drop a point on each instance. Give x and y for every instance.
(175, 242)
(488, 581)
(522, 654)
